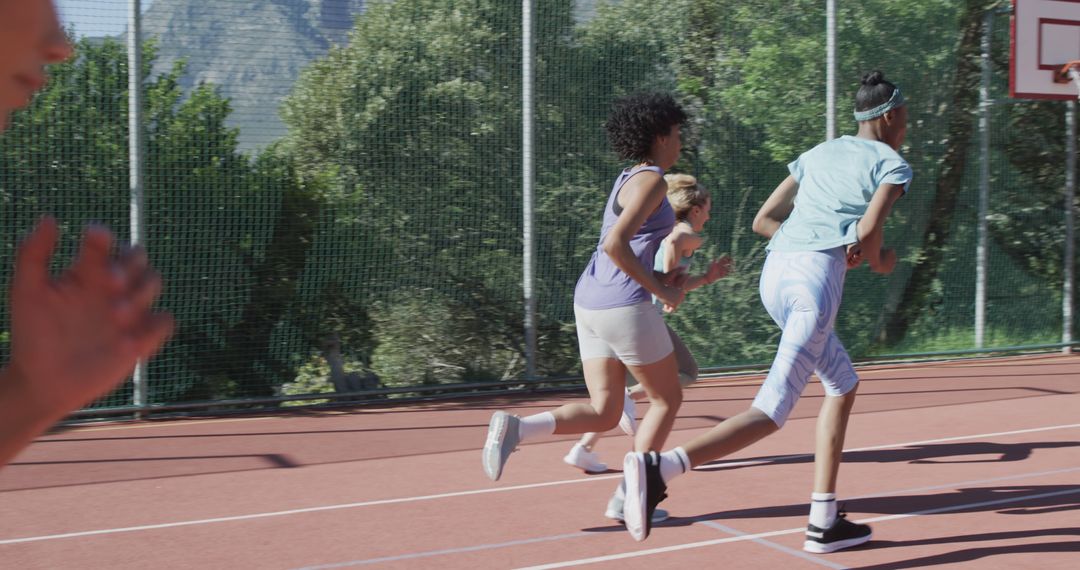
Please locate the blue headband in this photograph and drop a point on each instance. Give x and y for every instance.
(895, 101)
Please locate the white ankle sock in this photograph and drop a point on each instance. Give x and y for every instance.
(582, 448)
(673, 463)
(536, 425)
(822, 509)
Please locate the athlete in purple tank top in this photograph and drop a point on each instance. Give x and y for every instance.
(618, 327)
(603, 285)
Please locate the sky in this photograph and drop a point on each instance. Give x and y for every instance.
(96, 17)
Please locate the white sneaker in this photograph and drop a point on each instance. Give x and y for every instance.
(614, 510)
(628, 421)
(502, 440)
(587, 461)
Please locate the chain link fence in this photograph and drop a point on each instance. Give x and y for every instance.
(333, 188)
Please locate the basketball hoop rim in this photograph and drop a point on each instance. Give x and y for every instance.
(1062, 75)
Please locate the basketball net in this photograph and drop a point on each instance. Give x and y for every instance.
(1069, 72)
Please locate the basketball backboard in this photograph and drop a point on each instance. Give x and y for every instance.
(1045, 36)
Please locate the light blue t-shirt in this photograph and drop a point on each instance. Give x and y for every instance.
(836, 181)
(658, 261)
(658, 266)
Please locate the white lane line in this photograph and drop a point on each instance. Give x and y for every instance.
(717, 525)
(1073, 491)
(448, 551)
(780, 458)
(296, 511)
(704, 543)
(463, 493)
(796, 553)
(662, 550)
(967, 483)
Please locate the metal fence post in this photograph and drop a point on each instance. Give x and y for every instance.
(137, 167)
(527, 180)
(1070, 194)
(981, 253)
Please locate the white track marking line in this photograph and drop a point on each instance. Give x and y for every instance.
(1030, 475)
(477, 548)
(457, 493)
(459, 550)
(1005, 501)
(760, 535)
(796, 553)
(723, 465)
(298, 511)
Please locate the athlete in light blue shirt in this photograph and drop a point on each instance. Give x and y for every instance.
(823, 219)
(836, 181)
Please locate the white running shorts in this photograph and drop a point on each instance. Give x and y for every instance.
(802, 293)
(635, 334)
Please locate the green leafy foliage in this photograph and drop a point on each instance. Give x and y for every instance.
(390, 216)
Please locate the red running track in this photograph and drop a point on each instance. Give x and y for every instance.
(962, 464)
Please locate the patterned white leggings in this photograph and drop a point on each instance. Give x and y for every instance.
(802, 293)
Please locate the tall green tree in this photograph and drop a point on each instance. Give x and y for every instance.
(68, 155)
(417, 124)
(958, 114)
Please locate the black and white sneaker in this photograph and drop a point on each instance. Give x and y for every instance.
(645, 488)
(842, 534)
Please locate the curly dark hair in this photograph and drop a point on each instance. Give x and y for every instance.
(636, 120)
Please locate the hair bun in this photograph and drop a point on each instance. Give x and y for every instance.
(873, 78)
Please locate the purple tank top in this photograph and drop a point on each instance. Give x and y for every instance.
(603, 285)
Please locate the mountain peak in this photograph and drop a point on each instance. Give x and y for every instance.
(253, 50)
